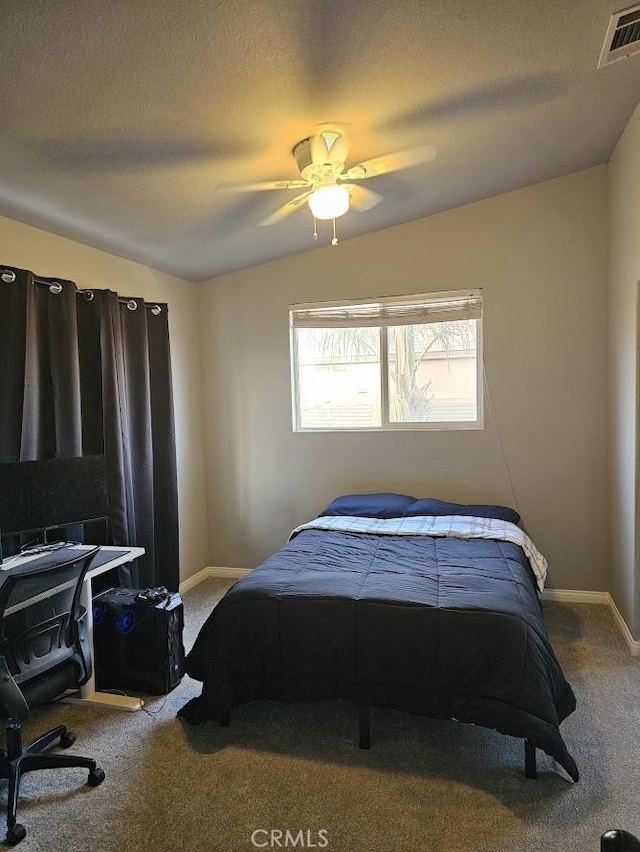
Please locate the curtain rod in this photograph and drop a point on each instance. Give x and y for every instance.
(55, 287)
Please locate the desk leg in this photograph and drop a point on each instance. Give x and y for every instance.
(88, 693)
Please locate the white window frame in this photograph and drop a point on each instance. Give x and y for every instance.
(373, 310)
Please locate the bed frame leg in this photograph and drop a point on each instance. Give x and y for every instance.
(530, 760)
(225, 718)
(363, 727)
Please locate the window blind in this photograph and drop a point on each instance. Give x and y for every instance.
(414, 310)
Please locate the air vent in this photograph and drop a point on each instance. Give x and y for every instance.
(623, 36)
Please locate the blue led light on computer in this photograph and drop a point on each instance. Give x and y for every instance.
(126, 622)
(98, 613)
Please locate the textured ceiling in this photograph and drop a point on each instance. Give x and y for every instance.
(119, 119)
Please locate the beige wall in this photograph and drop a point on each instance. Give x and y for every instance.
(48, 254)
(624, 277)
(539, 254)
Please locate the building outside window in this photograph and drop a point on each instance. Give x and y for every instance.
(409, 362)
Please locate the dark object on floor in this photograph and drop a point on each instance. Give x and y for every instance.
(137, 636)
(618, 840)
(440, 626)
(43, 652)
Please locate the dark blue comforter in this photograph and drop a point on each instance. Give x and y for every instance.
(443, 627)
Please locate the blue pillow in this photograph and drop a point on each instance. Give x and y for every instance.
(431, 506)
(378, 505)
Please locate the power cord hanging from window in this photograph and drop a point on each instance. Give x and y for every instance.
(492, 412)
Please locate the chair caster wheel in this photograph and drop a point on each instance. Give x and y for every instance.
(16, 834)
(68, 739)
(96, 777)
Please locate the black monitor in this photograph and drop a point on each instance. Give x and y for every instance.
(38, 496)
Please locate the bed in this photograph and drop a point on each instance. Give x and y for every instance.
(383, 600)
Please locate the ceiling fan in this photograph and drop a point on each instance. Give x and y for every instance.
(325, 181)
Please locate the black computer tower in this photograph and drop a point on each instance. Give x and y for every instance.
(137, 644)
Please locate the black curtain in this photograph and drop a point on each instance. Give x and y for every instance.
(85, 372)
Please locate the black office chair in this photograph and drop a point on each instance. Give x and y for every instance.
(44, 652)
(618, 840)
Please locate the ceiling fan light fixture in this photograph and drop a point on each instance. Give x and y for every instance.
(329, 202)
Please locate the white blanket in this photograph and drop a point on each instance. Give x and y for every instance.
(456, 526)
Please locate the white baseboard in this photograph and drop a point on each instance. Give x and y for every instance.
(231, 573)
(562, 595)
(634, 646)
(193, 580)
(209, 571)
(577, 596)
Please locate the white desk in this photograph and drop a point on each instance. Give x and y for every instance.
(88, 692)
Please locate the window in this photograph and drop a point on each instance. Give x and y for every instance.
(411, 362)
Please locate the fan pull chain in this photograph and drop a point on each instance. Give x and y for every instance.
(315, 229)
(334, 241)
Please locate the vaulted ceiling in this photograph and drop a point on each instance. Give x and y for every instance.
(118, 120)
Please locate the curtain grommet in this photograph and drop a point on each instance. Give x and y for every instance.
(8, 276)
(132, 305)
(156, 310)
(55, 287)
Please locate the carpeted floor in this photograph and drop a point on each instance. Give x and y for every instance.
(425, 785)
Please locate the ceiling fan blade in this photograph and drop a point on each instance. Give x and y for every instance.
(391, 162)
(286, 209)
(361, 198)
(329, 146)
(257, 186)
